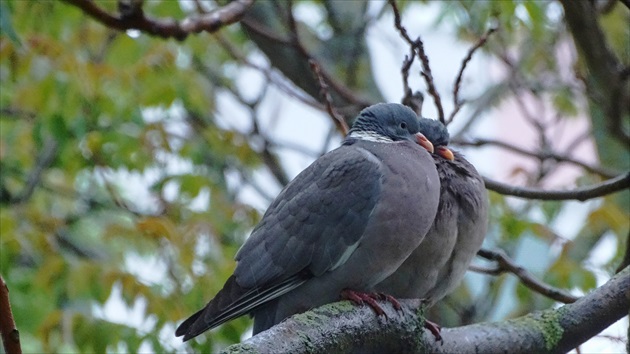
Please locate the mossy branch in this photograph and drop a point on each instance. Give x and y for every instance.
(343, 328)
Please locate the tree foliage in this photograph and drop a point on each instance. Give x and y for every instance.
(127, 159)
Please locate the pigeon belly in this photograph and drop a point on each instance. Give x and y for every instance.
(439, 263)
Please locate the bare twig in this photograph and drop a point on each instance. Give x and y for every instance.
(281, 84)
(457, 103)
(338, 88)
(133, 17)
(398, 23)
(46, 157)
(413, 100)
(428, 78)
(337, 119)
(10, 334)
(610, 186)
(404, 70)
(417, 46)
(118, 199)
(12, 112)
(541, 155)
(505, 264)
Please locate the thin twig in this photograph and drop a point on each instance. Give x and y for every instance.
(413, 100)
(428, 78)
(417, 46)
(610, 186)
(337, 119)
(44, 160)
(398, 23)
(404, 70)
(342, 90)
(457, 103)
(6, 112)
(281, 84)
(116, 197)
(505, 264)
(541, 155)
(317, 71)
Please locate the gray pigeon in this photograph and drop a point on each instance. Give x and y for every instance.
(343, 225)
(439, 263)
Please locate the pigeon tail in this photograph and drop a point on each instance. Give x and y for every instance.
(205, 318)
(234, 301)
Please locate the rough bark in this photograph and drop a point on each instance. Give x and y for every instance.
(343, 328)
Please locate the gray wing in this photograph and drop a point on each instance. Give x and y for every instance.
(315, 223)
(313, 226)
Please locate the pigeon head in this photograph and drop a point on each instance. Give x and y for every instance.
(388, 122)
(438, 135)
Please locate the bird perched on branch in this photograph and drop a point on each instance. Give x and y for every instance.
(438, 264)
(343, 225)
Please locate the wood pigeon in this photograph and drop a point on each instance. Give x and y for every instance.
(344, 224)
(438, 264)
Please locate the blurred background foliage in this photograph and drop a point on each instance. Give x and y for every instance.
(119, 182)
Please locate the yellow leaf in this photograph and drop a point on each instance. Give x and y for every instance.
(157, 227)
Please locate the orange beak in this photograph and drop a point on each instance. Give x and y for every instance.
(424, 142)
(445, 153)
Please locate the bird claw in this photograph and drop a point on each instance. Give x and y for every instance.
(435, 329)
(360, 298)
(392, 300)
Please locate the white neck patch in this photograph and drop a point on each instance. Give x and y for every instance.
(370, 136)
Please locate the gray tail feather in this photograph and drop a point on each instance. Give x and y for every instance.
(231, 302)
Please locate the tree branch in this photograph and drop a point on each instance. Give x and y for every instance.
(541, 155)
(325, 94)
(505, 264)
(417, 46)
(457, 103)
(132, 17)
(221, 17)
(270, 29)
(604, 67)
(10, 334)
(344, 328)
(413, 100)
(610, 186)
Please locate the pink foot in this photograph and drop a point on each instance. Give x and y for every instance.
(360, 298)
(392, 300)
(435, 329)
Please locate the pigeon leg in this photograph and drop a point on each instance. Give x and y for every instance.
(360, 298)
(435, 329)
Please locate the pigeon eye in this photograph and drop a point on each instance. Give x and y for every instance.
(403, 125)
